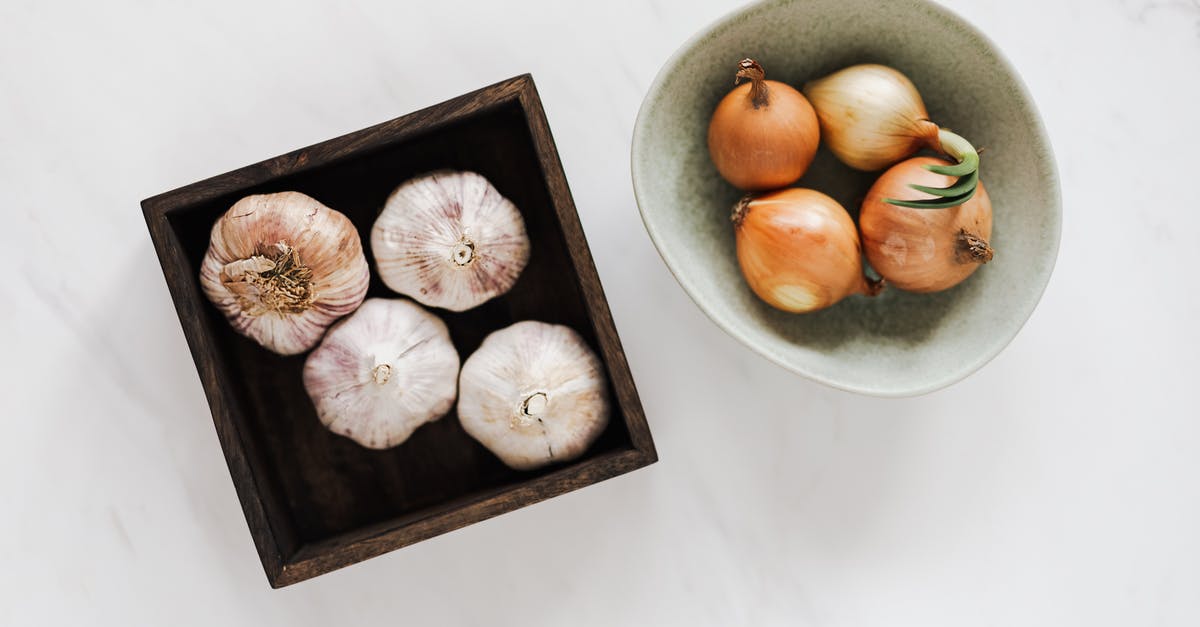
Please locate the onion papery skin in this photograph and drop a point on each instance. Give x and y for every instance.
(799, 250)
(924, 250)
(763, 143)
(871, 116)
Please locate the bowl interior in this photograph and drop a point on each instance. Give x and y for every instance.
(898, 343)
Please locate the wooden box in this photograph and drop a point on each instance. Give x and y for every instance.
(316, 501)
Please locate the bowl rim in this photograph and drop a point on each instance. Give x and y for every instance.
(1045, 152)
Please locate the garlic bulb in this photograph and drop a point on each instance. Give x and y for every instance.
(383, 372)
(533, 394)
(449, 240)
(282, 268)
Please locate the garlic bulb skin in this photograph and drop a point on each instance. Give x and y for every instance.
(533, 394)
(381, 373)
(282, 267)
(450, 240)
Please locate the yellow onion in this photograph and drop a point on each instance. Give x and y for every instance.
(921, 249)
(872, 116)
(799, 250)
(763, 134)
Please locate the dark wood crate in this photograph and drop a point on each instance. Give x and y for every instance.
(316, 501)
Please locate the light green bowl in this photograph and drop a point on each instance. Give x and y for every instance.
(897, 344)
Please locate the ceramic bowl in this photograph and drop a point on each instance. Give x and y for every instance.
(897, 344)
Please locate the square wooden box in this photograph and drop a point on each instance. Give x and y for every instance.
(316, 501)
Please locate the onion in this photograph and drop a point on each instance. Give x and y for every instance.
(872, 116)
(763, 134)
(799, 250)
(919, 249)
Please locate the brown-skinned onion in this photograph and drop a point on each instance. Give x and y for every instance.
(923, 250)
(799, 250)
(763, 134)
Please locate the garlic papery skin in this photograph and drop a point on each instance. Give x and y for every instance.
(381, 373)
(449, 240)
(871, 116)
(533, 394)
(282, 267)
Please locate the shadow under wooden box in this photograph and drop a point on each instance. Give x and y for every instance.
(315, 501)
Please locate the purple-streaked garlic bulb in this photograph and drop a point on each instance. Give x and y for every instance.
(282, 268)
(383, 372)
(449, 240)
(533, 394)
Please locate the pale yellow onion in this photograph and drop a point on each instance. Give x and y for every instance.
(871, 116)
(283, 267)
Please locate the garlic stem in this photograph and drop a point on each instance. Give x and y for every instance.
(381, 373)
(463, 252)
(535, 404)
(530, 410)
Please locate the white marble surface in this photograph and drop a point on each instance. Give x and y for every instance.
(1058, 486)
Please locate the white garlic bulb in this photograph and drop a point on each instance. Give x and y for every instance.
(533, 394)
(282, 268)
(381, 373)
(450, 240)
